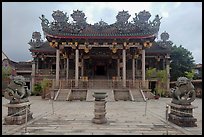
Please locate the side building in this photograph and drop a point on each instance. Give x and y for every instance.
(16, 68)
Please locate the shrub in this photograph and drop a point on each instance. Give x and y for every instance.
(37, 89)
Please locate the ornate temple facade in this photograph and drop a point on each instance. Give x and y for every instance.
(85, 56)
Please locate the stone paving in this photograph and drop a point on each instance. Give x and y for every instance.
(124, 118)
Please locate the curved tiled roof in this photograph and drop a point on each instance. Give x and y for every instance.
(140, 27)
(42, 47)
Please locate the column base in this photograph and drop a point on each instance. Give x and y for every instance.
(99, 121)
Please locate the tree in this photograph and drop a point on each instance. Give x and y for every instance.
(190, 75)
(161, 76)
(162, 79)
(45, 84)
(6, 73)
(182, 61)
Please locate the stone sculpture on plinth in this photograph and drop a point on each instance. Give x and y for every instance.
(19, 106)
(181, 110)
(100, 108)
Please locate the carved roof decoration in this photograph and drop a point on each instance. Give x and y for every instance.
(61, 27)
(164, 36)
(78, 16)
(36, 40)
(123, 17)
(164, 42)
(59, 16)
(144, 16)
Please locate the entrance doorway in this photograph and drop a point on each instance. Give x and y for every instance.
(100, 70)
(152, 86)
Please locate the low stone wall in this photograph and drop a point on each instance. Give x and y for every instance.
(78, 94)
(121, 94)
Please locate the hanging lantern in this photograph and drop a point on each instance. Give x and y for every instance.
(147, 44)
(70, 43)
(64, 43)
(86, 49)
(76, 44)
(114, 49)
(64, 55)
(51, 44)
(136, 56)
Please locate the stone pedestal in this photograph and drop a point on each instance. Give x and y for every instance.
(182, 115)
(17, 113)
(100, 108)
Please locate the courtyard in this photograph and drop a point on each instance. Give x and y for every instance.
(124, 118)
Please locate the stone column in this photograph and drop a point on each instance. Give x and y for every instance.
(136, 63)
(118, 67)
(67, 70)
(82, 67)
(33, 75)
(57, 67)
(168, 73)
(37, 64)
(133, 71)
(124, 65)
(143, 68)
(76, 65)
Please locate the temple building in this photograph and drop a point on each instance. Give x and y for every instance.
(78, 55)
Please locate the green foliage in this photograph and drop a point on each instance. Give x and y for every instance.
(190, 75)
(151, 72)
(182, 61)
(162, 79)
(6, 73)
(45, 83)
(37, 89)
(161, 76)
(160, 89)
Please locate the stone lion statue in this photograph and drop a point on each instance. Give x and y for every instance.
(184, 92)
(17, 91)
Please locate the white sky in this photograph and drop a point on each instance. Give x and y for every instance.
(182, 20)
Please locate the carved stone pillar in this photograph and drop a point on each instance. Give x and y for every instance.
(76, 65)
(37, 64)
(168, 73)
(57, 67)
(133, 71)
(33, 75)
(143, 68)
(67, 70)
(124, 65)
(82, 67)
(118, 67)
(136, 64)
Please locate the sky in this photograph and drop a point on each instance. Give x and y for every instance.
(182, 20)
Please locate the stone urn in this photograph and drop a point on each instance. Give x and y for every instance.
(100, 95)
(100, 108)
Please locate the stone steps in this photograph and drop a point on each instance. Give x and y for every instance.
(137, 96)
(63, 94)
